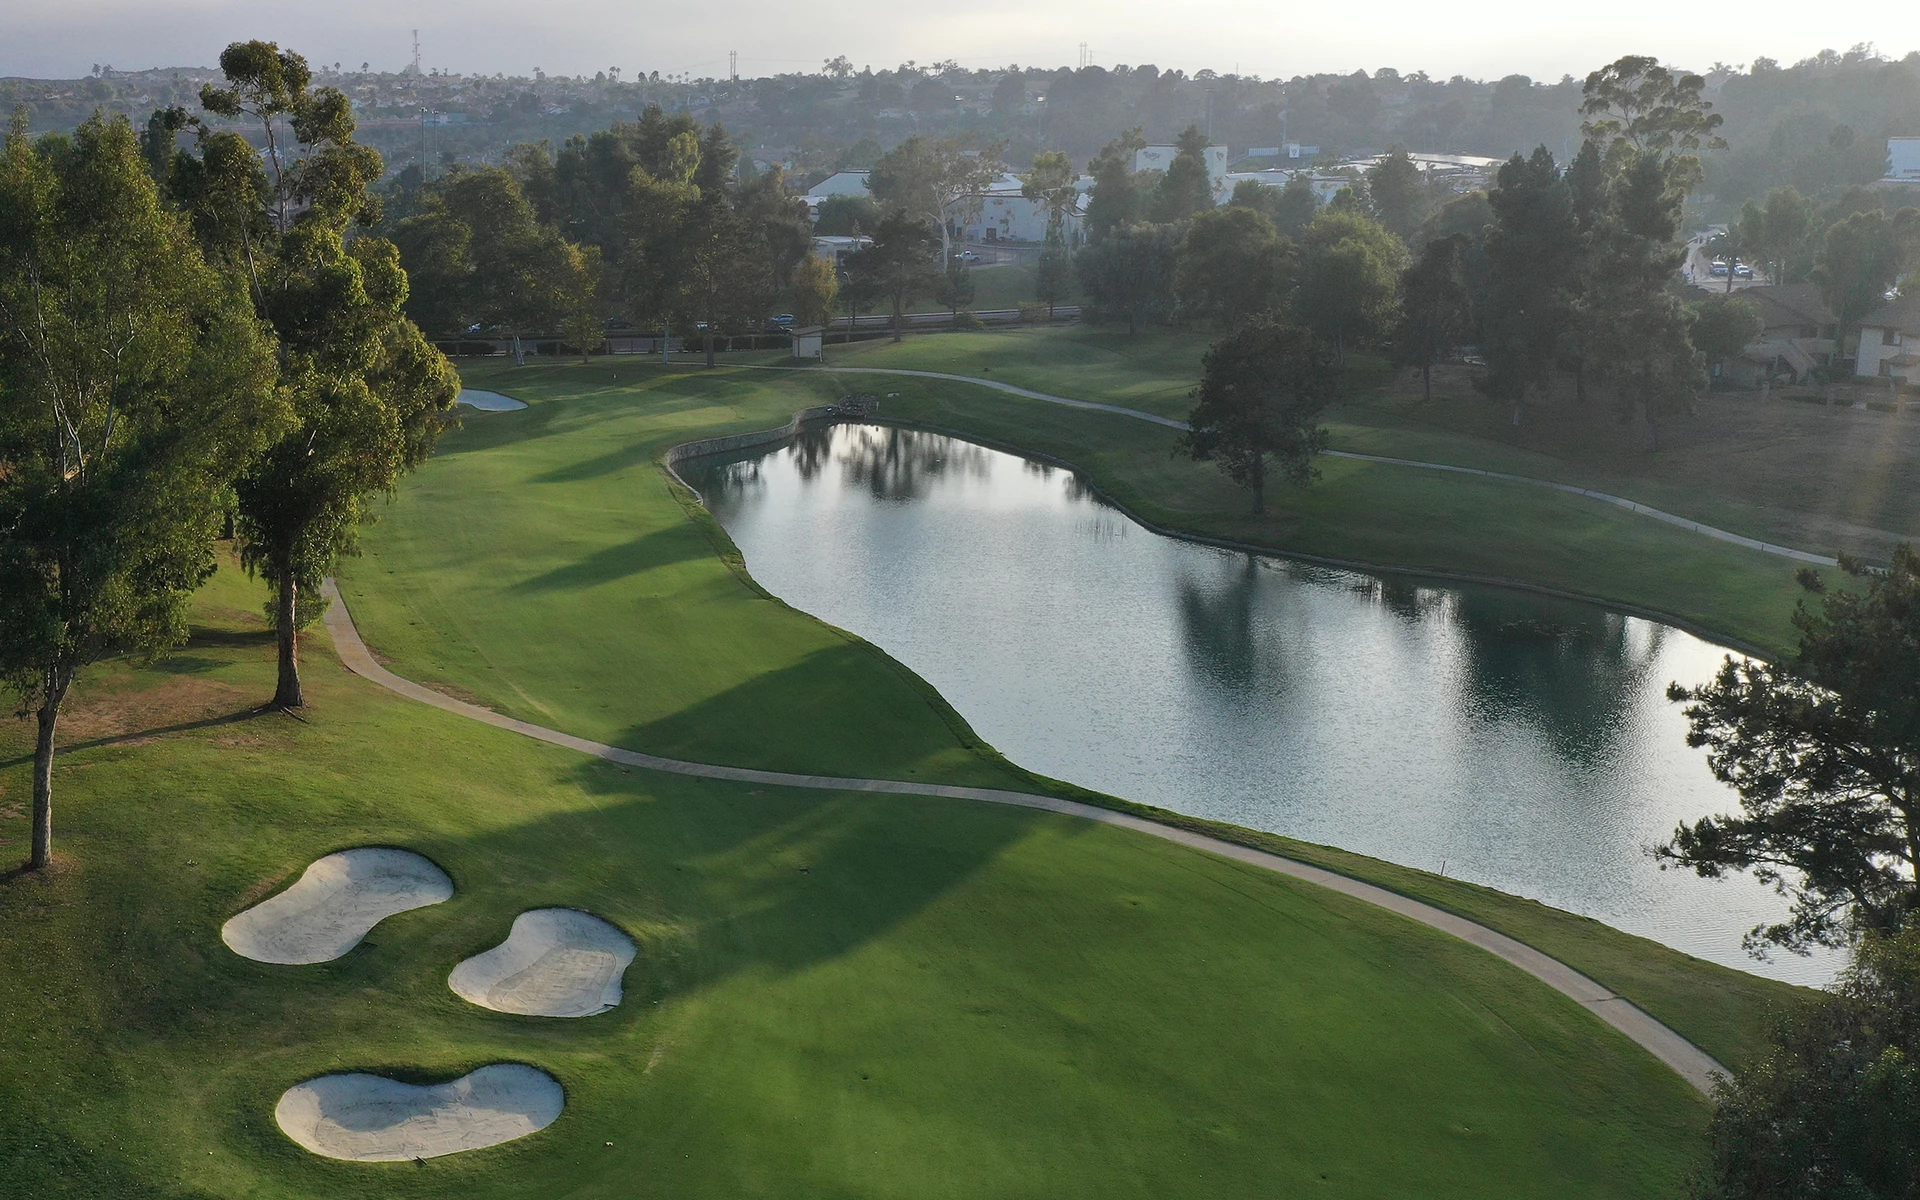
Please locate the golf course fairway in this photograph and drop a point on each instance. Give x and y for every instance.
(834, 994)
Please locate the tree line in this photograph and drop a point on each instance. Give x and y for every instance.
(1557, 272)
(195, 342)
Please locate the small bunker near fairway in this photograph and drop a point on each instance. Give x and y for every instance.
(556, 962)
(370, 1118)
(489, 401)
(336, 901)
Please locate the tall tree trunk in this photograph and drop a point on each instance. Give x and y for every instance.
(287, 695)
(1259, 485)
(1426, 380)
(49, 716)
(899, 315)
(709, 346)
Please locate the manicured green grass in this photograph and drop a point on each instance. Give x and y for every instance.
(543, 562)
(541, 565)
(995, 286)
(837, 995)
(1154, 371)
(1810, 476)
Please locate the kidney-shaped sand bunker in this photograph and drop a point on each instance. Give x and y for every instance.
(556, 962)
(370, 1118)
(333, 905)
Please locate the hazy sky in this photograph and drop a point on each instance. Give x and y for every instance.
(1487, 38)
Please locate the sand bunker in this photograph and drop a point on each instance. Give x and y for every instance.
(556, 962)
(336, 901)
(488, 401)
(370, 1118)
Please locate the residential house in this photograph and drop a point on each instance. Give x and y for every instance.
(1890, 342)
(1797, 332)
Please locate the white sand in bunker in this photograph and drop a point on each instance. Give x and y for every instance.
(489, 401)
(556, 962)
(334, 904)
(370, 1118)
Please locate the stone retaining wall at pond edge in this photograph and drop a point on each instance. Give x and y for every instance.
(676, 455)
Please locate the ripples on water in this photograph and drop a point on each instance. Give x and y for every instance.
(1513, 740)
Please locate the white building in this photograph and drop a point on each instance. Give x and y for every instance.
(1325, 187)
(1890, 343)
(1903, 160)
(1004, 215)
(1159, 158)
(834, 249)
(1461, 172)
(840, 183)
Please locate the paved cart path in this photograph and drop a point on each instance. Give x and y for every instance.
(1140, 415)
(1693, 1064)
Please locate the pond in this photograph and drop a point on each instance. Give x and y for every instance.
(1502, 737)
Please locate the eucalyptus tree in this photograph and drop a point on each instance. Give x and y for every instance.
(135, 384)
(1053, 274)
(935, 179)
(367, 389)
(1050, 182)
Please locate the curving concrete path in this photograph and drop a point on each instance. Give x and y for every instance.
(1644, 510)
(1689, 1061)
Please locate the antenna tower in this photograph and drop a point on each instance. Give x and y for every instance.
(733, 66)
(416, 52)
(1084, 57)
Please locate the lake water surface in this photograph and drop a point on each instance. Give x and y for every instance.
(1510, 739)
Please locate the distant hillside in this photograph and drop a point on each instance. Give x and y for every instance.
(1819, 124)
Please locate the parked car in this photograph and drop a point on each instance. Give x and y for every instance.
(966, 256)
(1742, 271)
(618, 324)
(1719, 270)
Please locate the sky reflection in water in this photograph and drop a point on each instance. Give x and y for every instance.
(1513, 740)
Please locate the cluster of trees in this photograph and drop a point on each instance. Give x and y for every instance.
(1556, 271)
(193, 342)
(651, 222)
(1159, 249)
(646, 219)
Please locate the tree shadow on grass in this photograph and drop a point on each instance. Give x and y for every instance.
(775, 879)
(844, 709)
(623, 458)
(662, 547)
(231, 718)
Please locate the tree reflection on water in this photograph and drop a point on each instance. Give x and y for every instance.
(900, 464)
